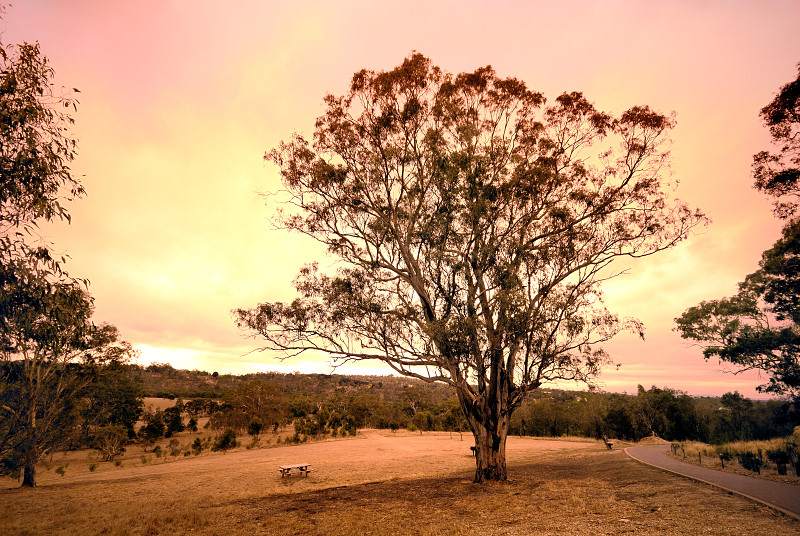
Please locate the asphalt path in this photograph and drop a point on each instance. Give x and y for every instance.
(779, 495)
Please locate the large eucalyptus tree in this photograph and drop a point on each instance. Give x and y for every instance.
(472, 226)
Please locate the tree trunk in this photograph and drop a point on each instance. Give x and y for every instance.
(29, 469)
(31, 448)
(490, 449)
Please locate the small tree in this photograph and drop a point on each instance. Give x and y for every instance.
(111, 441)
(473, 227)
(254, 427)
(173, 421)
(153, 429)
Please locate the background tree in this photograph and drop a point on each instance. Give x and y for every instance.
(473, 227)
(254, 399)
(49, 339)
(111, 440)
(173, 421)
(759, 327)
(153, 428)
(112, 397)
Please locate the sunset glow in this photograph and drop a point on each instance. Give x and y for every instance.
(179, 101)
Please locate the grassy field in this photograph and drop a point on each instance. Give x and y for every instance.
(379, 483)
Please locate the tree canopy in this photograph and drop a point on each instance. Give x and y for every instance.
(472, 225)
(778, 174)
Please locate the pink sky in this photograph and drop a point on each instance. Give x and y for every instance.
(180, 99)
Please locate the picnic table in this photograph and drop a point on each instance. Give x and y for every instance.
(286, 470)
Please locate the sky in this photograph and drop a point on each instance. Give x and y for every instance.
(179, 100)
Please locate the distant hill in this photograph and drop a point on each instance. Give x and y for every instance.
(163, 381)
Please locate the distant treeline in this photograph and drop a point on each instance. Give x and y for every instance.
(320, 403)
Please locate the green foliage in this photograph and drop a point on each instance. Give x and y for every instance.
(778, 175)
(225, 441)
(780, 455)
(757, 328)
(113, 397)
(249, 401)
(344, 404)
(173, 421)
(254, 427)
(724, 453)
(153, 428)
(750, 461)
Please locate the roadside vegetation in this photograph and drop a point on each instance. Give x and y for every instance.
(777, 458)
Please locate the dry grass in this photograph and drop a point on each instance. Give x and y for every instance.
(152, 404)
(384, 483)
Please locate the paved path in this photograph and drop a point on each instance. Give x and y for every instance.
(779, 495)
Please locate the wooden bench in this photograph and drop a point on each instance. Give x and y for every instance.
(302, 468)
(608, 443)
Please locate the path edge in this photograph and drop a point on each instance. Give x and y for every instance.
(729, 490)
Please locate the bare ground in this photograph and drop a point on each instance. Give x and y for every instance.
(383, 483)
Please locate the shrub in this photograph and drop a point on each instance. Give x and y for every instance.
(308, 426)
(254, 427)
(779, 455)
(725, 454)
(157, 451)
(750, 461)
(61, 469)
(226, 441)
(92, 467)
(197, 446)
